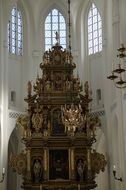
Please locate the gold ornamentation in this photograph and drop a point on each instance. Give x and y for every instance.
(98, 162)
(18, 163)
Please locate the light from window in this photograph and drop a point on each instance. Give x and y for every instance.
(94, 30)
(55, 22)
(15, 32)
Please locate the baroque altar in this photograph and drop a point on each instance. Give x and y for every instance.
(58, 130)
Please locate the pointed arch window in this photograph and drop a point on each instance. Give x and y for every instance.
(94, 30)
(15, 33)
(55, 21)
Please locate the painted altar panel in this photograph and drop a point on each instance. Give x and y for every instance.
(58, 164)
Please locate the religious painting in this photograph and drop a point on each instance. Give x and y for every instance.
(58, 164)
(57, 124)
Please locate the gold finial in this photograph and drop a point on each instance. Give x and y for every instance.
(29, 88)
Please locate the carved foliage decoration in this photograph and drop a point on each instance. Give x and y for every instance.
(18, 163)
(98, 162)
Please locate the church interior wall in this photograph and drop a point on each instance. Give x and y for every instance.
(95, 69)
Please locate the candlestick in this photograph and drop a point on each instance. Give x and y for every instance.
(78, 186)
(3, 171)
(114, 168)
(3, 175)
(41, 187)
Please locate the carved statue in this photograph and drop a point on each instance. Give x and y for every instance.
(80, 169)
(23, 122)
(37, 170)
(48, 85)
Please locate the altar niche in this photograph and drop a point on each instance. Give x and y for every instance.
(58, 164)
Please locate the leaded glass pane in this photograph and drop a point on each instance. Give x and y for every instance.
(53, 41)
(54, 12)
(54, 19)
(95, 49)
(13, 49)
(94, 11)
(94, 30)
(48, 33)
(61, 19)
(19, 36)
(19, 29)
(13, 26)
(15, 32)
(19, 22)
(63, 41)
(13, 13)
(90, 51)
(89, 21)
(95, 26)
(13, 19)
(99, 24)
(62, 26)
(55, 27)
(90, 43)
(100, 40)
(99, 17)
(95, 19)
(63, 33)
(53, 34)
(100, 47)
(47, 27)
(95, 41)
(89, 28)
(55, 22)
(90, 14)
(13, 42)
(100, 32)
(95, 34)
(48, 19)
(90, 36)
(48, 46)
(48, 40)
(19, 44)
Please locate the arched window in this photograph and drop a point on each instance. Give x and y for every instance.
(94, 30)
(15, 32)
(55, 22)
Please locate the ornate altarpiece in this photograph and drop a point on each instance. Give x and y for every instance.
(58, 130)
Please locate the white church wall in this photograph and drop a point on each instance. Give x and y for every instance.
(15, 82)
(114, 102)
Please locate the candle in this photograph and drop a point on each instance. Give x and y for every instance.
(78, 186)
(114, 168)
(3, 171)
(41, 187)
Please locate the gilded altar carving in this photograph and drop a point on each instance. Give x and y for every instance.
(19, 163)
(58, 129)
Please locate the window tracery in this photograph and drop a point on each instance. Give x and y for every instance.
(15, 33)
(94, 30)
(55, 22)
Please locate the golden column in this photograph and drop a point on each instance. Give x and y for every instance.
(89, 162)
(28, 164)
(71, 162)
(45, 163)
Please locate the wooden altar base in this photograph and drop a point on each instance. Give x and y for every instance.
(60, 185)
